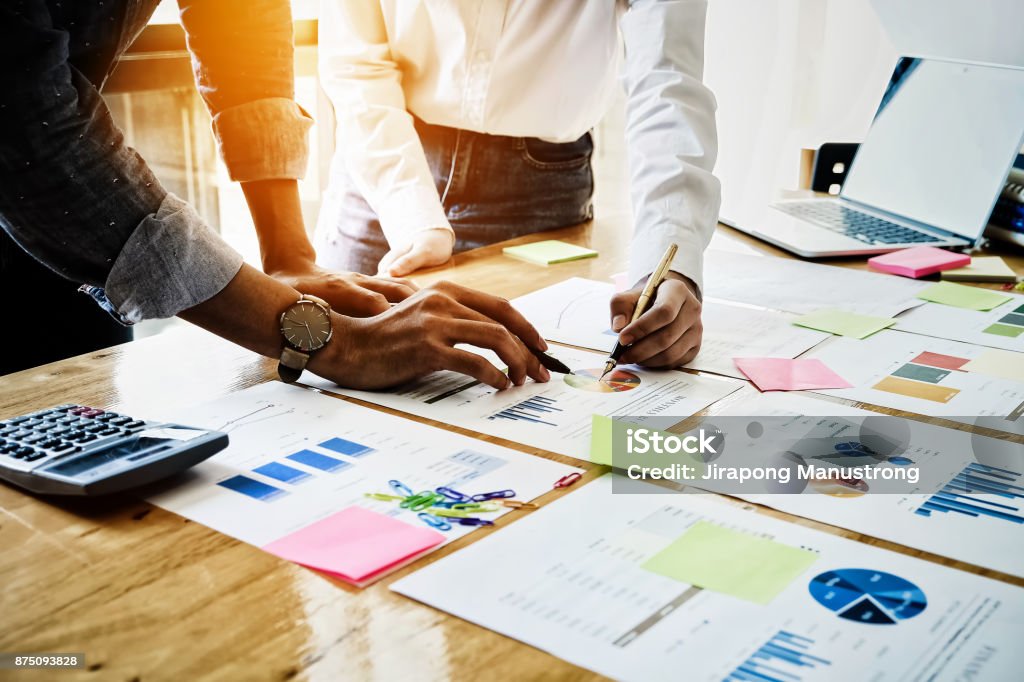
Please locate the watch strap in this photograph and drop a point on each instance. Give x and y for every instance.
(291, 365)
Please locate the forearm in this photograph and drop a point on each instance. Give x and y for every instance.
(277, 215)
(246, 311)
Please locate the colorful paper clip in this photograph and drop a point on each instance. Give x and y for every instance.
(400, 488)
(496, 495)
(450, 513)
(419, 501)
(568, 480)
(383, 496)
(434, 522)
(476, 506)
(452, 494)
(472, 521)
(516, 504)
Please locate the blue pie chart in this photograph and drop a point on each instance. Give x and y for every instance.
(866, 596)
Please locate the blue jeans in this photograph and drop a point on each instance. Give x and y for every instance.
(497, 188)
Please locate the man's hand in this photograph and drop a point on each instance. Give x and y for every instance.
(669, 333)
(419, 336)
(427, 249)
(349, 293)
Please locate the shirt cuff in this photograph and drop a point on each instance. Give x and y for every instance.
(264, 140)
(689, 259)
(171, 262)
(409, 210)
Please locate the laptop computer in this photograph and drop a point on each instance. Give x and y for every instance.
(929, 171)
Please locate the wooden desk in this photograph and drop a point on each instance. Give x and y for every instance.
(148, 595)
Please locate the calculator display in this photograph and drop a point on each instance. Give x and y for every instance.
(135, 449)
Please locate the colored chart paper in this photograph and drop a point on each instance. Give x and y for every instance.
(570, 579)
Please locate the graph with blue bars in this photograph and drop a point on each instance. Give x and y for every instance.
(781, 659)
(961, 495)
(530, 410)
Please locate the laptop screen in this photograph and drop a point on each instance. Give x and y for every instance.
(941, 144)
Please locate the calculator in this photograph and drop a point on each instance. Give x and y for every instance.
(80, 450)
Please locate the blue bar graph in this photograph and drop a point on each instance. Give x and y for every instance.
(960, 496)
(282, 472)
(250, 487)
(346, 447)
(530, 410)
(318, 461)
(780, 659)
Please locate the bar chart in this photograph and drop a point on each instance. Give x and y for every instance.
(782, 657)
(530, 410)
(961, 495)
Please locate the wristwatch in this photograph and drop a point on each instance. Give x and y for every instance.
(306, 328)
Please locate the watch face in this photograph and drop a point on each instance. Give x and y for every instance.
(306, 326)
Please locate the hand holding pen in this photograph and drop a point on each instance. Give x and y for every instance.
(663, 329)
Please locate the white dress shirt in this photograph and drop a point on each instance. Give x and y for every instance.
(525, 68)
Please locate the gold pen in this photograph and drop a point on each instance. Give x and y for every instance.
(646, 296)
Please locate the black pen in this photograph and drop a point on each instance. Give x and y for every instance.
(550, 363)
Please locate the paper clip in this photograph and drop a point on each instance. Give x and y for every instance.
(475, 506)
(568, 480)
(472, 521)
(496, 495)
(434, 522)
(400, 488)
(516, 504)
(450, 513)
(383, 496)
(453, 494)
(419, 501)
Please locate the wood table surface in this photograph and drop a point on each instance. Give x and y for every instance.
(148, 595)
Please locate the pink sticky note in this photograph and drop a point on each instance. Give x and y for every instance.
(918, 261)
(783, 374)
(620, 281)
(355, 544)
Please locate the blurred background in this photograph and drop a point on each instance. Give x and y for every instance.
(788, 75)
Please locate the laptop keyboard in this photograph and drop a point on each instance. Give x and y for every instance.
(852, 223)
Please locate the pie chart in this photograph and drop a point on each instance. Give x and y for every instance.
(590, 380)
(866, 596)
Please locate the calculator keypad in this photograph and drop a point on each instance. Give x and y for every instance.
(60, 431)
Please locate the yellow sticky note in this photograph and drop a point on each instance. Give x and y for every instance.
(844, 323)
(731, 562)
(549, 252)
(960, 296)
(982, 269)
(1004, 364)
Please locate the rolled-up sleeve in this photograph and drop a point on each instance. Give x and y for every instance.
(77, 198)
(243, 58)
(671, 135)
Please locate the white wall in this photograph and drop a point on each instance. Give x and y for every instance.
(789, 74)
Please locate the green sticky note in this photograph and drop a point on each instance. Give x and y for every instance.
(601, 438)
(731, 562)
(844, 323)
(549, 252)
(960, 296)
